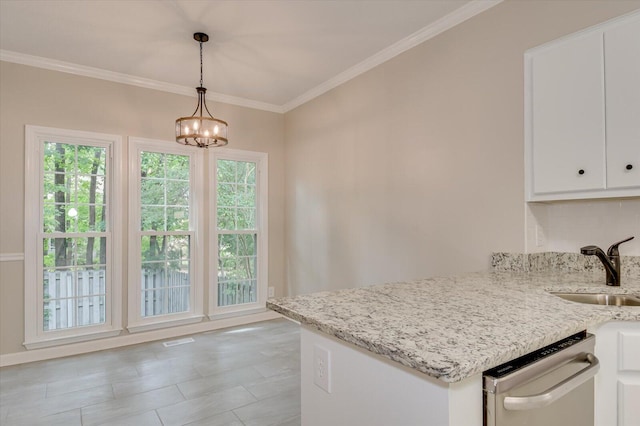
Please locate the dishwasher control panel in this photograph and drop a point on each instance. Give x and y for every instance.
(516, 364)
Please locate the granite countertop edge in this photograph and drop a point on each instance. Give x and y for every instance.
(459, 333)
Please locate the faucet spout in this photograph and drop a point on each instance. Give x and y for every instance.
(610, 260)
(613, 273)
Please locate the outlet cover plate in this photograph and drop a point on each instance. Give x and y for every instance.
(322, 368)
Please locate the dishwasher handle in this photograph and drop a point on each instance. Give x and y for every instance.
(558, 390)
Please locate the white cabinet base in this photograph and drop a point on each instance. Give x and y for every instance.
(617, 384)
(628, 400)
(367, 389)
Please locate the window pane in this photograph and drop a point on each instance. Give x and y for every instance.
(91, 160)
(227, 246)
(237, 292)
(237, 273)
(153, 248)
(53, 218)
(246, 196)
(58, 252)
(246, 172)
(62, 252)
(156, 248)
(177, 218)
(247, 244)
(59, 157)
(165, 288)
(57, 188)
(152, 165)
(226, 195)
(86, 218)
(90, 189)
(178, 167)
(226, 171)
(165, 274)
(236, 195)
(246, 218)
(152, 218)
(74, 179)
(177, 193)
(178, 248)
(165, 202)
(152, 192)
(74, 297)
(226, 218)
(90, 251)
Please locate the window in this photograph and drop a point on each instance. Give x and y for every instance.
(165, 284)
(239, 231)
(73, 235)
(72, 284)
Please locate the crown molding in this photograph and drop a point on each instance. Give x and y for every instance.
(116, 77)
(454, 18)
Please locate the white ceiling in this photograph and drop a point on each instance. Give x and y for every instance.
(272, 55)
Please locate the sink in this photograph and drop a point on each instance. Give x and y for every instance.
(601, 298)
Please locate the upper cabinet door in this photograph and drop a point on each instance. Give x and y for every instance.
(568, 116)
(622, 73)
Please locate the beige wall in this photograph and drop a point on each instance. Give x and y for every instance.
(415, 168)
(46, 98)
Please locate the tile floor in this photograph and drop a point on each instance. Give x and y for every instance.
(248, 375)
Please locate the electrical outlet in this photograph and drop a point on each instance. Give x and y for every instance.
(271, 291)
(322, 368)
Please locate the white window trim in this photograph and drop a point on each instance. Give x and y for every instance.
(35, 336)
(136, 323)
(262, 217)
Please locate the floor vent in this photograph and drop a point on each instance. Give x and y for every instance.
(178, 342)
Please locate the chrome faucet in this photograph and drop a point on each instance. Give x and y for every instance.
(611, 260)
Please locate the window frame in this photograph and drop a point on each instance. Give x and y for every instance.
(137, 323)
(262, 221)
(35, 335)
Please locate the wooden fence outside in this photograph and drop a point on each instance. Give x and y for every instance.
(69, 305)
(236, 292)
(162, 294)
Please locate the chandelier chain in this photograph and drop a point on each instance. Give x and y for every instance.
(201, 84)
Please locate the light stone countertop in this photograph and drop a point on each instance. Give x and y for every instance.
(451, 328)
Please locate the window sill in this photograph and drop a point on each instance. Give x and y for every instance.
(148, 326)
(237, 313)
(57, 341)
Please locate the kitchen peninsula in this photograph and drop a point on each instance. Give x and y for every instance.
(413, 353)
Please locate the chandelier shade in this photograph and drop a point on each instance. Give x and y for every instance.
(201, 129)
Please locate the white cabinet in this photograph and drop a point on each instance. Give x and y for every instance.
(582, 114)
(367, 389)
(622, 77)
(617, 384)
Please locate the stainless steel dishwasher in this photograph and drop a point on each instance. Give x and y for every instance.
(551, 386)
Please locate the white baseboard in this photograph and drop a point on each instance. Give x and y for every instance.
(131, 339)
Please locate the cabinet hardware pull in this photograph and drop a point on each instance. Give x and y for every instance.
(629, 166)
(581, 172)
